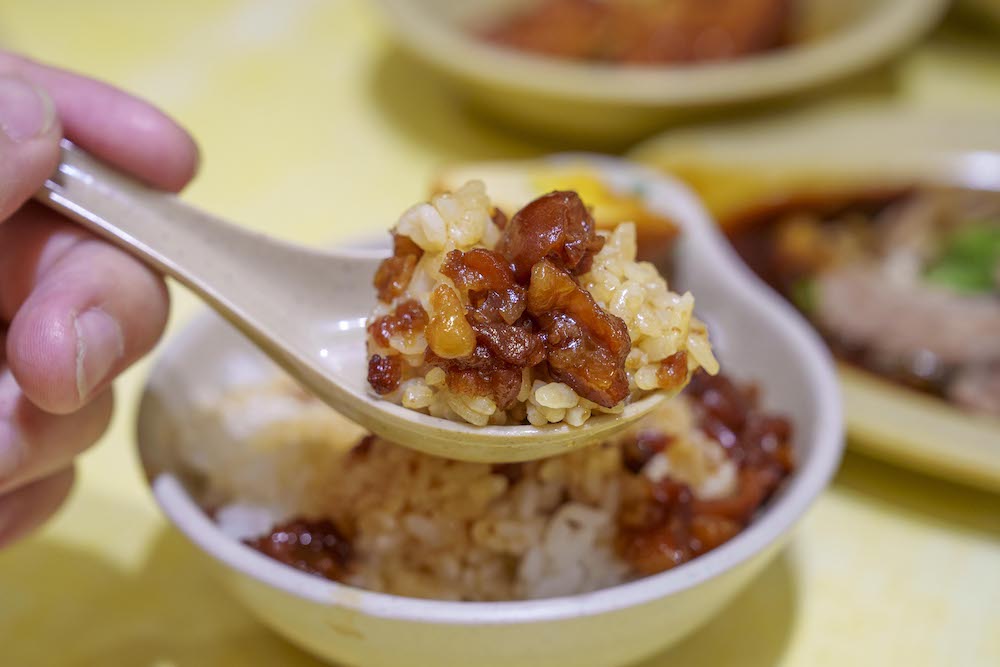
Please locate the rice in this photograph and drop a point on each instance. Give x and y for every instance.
(660, 322)
(428, 527)
(665, 336)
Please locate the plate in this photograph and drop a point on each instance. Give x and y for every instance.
(731, 166)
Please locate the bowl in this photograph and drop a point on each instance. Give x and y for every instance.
(608, 627)
(735, 166)
(614, 103)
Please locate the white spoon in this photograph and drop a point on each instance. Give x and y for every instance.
(304, 308)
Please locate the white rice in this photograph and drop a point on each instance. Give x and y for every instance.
(429, 527)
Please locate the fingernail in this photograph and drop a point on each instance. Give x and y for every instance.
(99, 346)
(25, 111)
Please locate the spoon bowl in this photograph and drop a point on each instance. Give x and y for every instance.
(305, 308)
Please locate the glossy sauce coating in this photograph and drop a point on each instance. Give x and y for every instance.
(316, 547)
(385, 368)
(394, 273)
(506, 341)
(408, 318)
(660, 525)
(586, 346)
(557, 227)
(523, 309)
(664, 525)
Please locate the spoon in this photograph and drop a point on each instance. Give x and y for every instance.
(304, 308)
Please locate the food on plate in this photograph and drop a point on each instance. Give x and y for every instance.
(645, 31)
(533, 317)
(905, 284)
(295, 481)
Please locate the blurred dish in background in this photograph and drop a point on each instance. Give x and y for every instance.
(883, 228)
(509, 182)
(604, 102)
(903, 284)
(646, 31)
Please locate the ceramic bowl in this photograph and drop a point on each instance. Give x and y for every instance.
(757, 337)
(614, 103)
(738, 166)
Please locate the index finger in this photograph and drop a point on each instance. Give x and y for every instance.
(117, 127)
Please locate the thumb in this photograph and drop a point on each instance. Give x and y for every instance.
(29, 142)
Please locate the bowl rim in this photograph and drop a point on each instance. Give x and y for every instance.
(892, 26)
(804, 486)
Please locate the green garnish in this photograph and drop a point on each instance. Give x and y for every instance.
(803, 294)
(969, 261)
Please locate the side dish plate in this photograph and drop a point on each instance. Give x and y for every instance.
(734, 166)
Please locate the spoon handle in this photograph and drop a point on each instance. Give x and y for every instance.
(242, 274)
(155, 226)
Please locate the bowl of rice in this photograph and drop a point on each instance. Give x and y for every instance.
(368, 553)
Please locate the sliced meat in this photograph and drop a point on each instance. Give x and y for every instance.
(858, 307)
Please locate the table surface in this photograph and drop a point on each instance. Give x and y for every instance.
(312, 126)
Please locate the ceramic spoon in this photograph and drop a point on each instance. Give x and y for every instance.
(304, 308)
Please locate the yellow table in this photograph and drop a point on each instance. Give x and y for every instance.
(312, 127)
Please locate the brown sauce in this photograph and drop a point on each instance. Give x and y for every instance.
(315, 547)
(659, 526)
(664, 525)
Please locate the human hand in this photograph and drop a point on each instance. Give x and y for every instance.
(74, 311)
